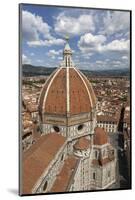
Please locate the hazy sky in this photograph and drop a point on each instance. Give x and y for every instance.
(99, 39)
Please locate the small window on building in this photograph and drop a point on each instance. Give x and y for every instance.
(109, 173)
(94, 176)
(56, 128)
(45, 186)
(103, 153)
(62, 157)
(33, 142)
(27, 135)
(96, 154)
(112, 152)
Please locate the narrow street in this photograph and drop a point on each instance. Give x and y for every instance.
(122, 168)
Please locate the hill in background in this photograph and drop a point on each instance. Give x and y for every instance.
(30, 70)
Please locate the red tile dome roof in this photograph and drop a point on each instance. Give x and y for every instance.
(55, 99)
(100, 136)
(67, 90)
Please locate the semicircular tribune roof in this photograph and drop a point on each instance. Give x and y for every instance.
(82, 144)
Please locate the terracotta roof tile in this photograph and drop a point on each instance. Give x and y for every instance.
(90, 89)
(56, 101)
(106, 118)
(56, 98)
(43, 91)
(63, 179)
(79, 98)
(37, 159)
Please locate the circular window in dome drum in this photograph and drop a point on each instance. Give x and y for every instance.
(80, 127)
(56, 128)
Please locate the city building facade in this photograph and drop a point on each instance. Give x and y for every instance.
(108, 123)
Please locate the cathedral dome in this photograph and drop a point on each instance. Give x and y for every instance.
(67, 90)
(100, 136)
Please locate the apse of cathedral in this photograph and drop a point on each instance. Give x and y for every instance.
(72, 153)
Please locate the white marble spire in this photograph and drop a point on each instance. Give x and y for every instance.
(67, 55)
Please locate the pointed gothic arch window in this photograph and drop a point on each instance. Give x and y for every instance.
(45, 186)
(62, 157)
(103, 152)
(68, 61)
(96, 154)
(94, 175)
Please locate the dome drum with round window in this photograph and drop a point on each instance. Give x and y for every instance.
(67, 98)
